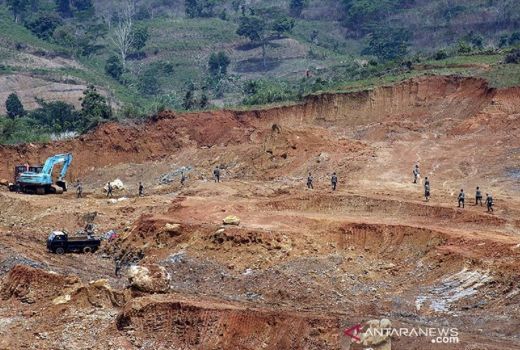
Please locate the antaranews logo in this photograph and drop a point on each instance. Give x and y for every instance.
(375, 332)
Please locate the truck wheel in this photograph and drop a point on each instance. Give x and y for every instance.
(60, 251)
(87, 250)
(40, 191)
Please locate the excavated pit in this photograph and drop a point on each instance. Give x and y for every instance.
(302, 265)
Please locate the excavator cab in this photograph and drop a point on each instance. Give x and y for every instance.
(20, 169)
(36, 169)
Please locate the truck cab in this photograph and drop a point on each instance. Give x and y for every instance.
(59, 242)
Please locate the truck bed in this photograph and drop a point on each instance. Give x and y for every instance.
(81, 238)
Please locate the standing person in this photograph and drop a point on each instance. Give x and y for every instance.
(461, 197)
(489, 202)
(79, 189)
(141, 189)
(183, 178)
(415, 173)
(334, 181)
(118, 268)
(109, 190)
(427, 188)
(216, 174)
(478, 196)
(309, 181)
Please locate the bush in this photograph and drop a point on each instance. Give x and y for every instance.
(148, 83)
(200, 8)
(56, 116)
(21, 130)
(283, 24)
(513, 57)
(388, 44)
(463, 47)
(44, 25)
(114, 67)
(296, 7)
(441, 55)
(263, 92)
(514, 39)
(503, 41)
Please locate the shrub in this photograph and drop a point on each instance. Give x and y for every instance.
(114, 67)
(441, 55)
(513, 57)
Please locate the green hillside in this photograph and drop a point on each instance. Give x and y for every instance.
(199, 54)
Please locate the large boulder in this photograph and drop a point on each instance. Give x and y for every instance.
(231, 220)
(149, 278)
(117, 185)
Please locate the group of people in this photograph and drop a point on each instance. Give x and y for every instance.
(333, 181)
(109, 188)
(462, 196)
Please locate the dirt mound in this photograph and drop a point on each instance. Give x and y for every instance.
(30, 285)
(181, 323)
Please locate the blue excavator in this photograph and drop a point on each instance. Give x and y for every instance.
(37, 179)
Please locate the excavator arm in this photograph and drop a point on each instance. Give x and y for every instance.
(66, 159)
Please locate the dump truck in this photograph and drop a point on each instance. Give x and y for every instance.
(38, 179)
(59, 242)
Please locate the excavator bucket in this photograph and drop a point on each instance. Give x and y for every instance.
(62, 184)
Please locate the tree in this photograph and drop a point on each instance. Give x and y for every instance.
(44, 25)
(14, 106)
(388, 44)
(148, 83)
(251, 27)
(63, 8)
(283, 24)
(503, 41)
(475, 39)
(122, 36)
(254, 28)
(189, 99)
(296, 7)
(140, 37)
(200, 8)
(218, 63)
(514, 39)
(83, 5)
(58, 116)
(513, 57)
(191, 8)
(237, 4)
(204, 100)
(364, 15)
(18, 8)
(114, 67)
(94, 109)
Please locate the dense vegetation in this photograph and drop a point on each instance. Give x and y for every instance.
(198, 54)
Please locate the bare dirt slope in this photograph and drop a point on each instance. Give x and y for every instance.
(303, 265)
